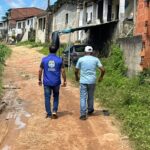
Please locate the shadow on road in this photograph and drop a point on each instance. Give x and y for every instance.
(64, 113)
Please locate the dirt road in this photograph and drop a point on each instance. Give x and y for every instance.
(23, 125)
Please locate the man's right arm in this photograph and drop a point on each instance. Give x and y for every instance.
(102, 72)
(77, 68)
(40, 73)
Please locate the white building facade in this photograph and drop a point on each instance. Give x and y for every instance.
(24, 26)
(66, 17)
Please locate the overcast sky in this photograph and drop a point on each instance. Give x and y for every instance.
(6, 4)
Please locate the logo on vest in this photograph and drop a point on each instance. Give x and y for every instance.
(51, 65)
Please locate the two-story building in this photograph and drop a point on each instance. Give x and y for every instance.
(21, 20)
(65, 16)
(25, 26)
(92, 18)
(43, 27)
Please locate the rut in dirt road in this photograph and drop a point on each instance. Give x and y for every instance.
(24, 126)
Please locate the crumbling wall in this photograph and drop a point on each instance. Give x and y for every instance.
(101, 36)
(131, 47)
(60, 22)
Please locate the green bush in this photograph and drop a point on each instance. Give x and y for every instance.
(32, 44)
(128, 98)
(45, 50)
(4, 53)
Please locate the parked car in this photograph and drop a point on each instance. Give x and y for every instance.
(76, 51)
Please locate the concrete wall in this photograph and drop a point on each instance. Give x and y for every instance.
(40, 36)
(131, 49)
(41, 31)
(59, 21)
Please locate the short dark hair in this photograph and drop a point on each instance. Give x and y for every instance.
(52, 49)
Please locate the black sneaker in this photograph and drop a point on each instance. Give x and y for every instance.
(90, 112)
(48, 116)
(54, 115)
(83, 117)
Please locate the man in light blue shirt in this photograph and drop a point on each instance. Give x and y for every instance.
(87, 66)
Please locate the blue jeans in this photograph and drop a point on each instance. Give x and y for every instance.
(86, 98)
(47, 93)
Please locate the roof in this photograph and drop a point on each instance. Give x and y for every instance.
(23, 13)
(43, 14)
(69, 30)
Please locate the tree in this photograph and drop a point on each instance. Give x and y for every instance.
(7, 14)
(6, 19)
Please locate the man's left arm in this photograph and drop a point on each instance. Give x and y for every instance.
(40, 76)
(63, 72)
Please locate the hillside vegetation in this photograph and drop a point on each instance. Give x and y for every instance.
(4, 53)
(128, 99)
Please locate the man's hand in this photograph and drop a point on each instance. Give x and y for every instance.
(40, 83)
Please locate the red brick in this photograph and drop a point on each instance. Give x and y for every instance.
(141, 6)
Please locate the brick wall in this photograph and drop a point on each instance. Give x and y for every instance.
(142, 27)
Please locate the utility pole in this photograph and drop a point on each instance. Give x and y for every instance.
(48, 21)
(48, 5)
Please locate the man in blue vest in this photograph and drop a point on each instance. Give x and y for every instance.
(87, 66)
(51, 68)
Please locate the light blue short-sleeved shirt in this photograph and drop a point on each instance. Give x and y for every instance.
(88, 65)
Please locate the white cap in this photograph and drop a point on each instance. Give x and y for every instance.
(88, 49)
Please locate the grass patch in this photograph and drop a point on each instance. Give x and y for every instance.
(4, 53)
(45, 50)
(127, 98)
(32, 44)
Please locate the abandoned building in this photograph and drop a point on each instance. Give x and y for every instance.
(43, 28)
(20, 21)
(92, 18)
(64, 17)
(94, 22)
(137, 48)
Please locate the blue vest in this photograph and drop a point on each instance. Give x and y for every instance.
(52, 70)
